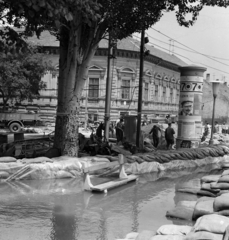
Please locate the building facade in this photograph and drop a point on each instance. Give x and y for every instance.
(161, 82)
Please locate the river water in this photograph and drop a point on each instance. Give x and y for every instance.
(61, 210)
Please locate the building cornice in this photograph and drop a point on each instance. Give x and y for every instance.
(120, 53)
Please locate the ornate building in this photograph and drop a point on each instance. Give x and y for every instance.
(160, 88)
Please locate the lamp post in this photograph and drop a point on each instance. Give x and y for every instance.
(215, 88)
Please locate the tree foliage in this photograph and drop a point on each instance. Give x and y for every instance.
(80, 25)
(20, 76)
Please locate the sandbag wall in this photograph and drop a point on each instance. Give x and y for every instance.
(70, 167)
(208, 227)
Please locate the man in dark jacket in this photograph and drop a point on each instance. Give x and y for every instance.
(169, 132)
(155, 130)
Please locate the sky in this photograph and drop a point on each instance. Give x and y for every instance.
(205, 44)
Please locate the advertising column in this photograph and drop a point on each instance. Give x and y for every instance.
(190, 107)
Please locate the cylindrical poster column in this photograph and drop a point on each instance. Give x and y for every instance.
(190, 107)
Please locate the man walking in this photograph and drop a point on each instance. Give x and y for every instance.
(169, 132)
(155, 130)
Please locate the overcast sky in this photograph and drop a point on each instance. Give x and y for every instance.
(209, 36)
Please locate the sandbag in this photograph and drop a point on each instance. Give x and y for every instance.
(210, 178)
(226, 234)
(35, 160)
(225, 172)
(212, 223)
(224, 178)
(4, 174)
(203, 235)
(173, 230)
(204, 205)
(223, 212)
(222, 192)
(8, 159)
(131, 235)
(63, 174)
(145, 234)
(225, 165)
(198, 192)
(207, 187)
(221, 185)
(221, 202)
(168, 237)
(181, 212)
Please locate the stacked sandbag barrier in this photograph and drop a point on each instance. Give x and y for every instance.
(182, 154)
(70, 167)
(12, 169)
(208, 227)
(214, 197)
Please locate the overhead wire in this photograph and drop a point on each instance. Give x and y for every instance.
(187, 57)
(189, 47)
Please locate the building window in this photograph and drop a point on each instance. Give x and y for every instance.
(178, 97)
(93, 89)
(156, 90)
(146, 92)
(171, 95)
(125, 89)
(164, 94)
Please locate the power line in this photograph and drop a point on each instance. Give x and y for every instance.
(191, 51)
(189, 47)
(189, 58)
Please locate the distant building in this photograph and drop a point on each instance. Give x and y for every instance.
(161, 79)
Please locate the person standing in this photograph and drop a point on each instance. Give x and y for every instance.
(216, 127)
(119, 131)
(155, 134)
(169, 136)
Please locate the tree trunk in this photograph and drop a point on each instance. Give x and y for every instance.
(73, 69)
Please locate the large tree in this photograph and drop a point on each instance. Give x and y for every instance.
(80, 25)
(21, 75)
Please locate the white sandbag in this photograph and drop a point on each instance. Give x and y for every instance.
(225, 172)
(204, 205)
(145, 235)
(212, 223)
(36, 160)
(168, 237)
(63, 174)
(210, 178)
(4, 174)
(224, 178)
(8, 159)
(131, 235)
(145, 167)
(203, 235)
(173, 230)
(189, 204)
(221, 202)
(207, 187)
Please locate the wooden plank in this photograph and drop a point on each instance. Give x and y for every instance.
(99, 166)
(113, 183)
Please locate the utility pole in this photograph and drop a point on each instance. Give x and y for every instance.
(138, 135)
(108, 91)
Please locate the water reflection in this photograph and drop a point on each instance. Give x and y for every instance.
(61, 210)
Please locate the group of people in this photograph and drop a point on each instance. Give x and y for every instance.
(216, 129)
(117, 128)
(169, 136)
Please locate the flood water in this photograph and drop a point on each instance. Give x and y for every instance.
(61, 210)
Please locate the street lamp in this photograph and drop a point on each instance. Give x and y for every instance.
(215, 88)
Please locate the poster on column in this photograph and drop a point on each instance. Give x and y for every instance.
(186, 104)
(190, 104)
